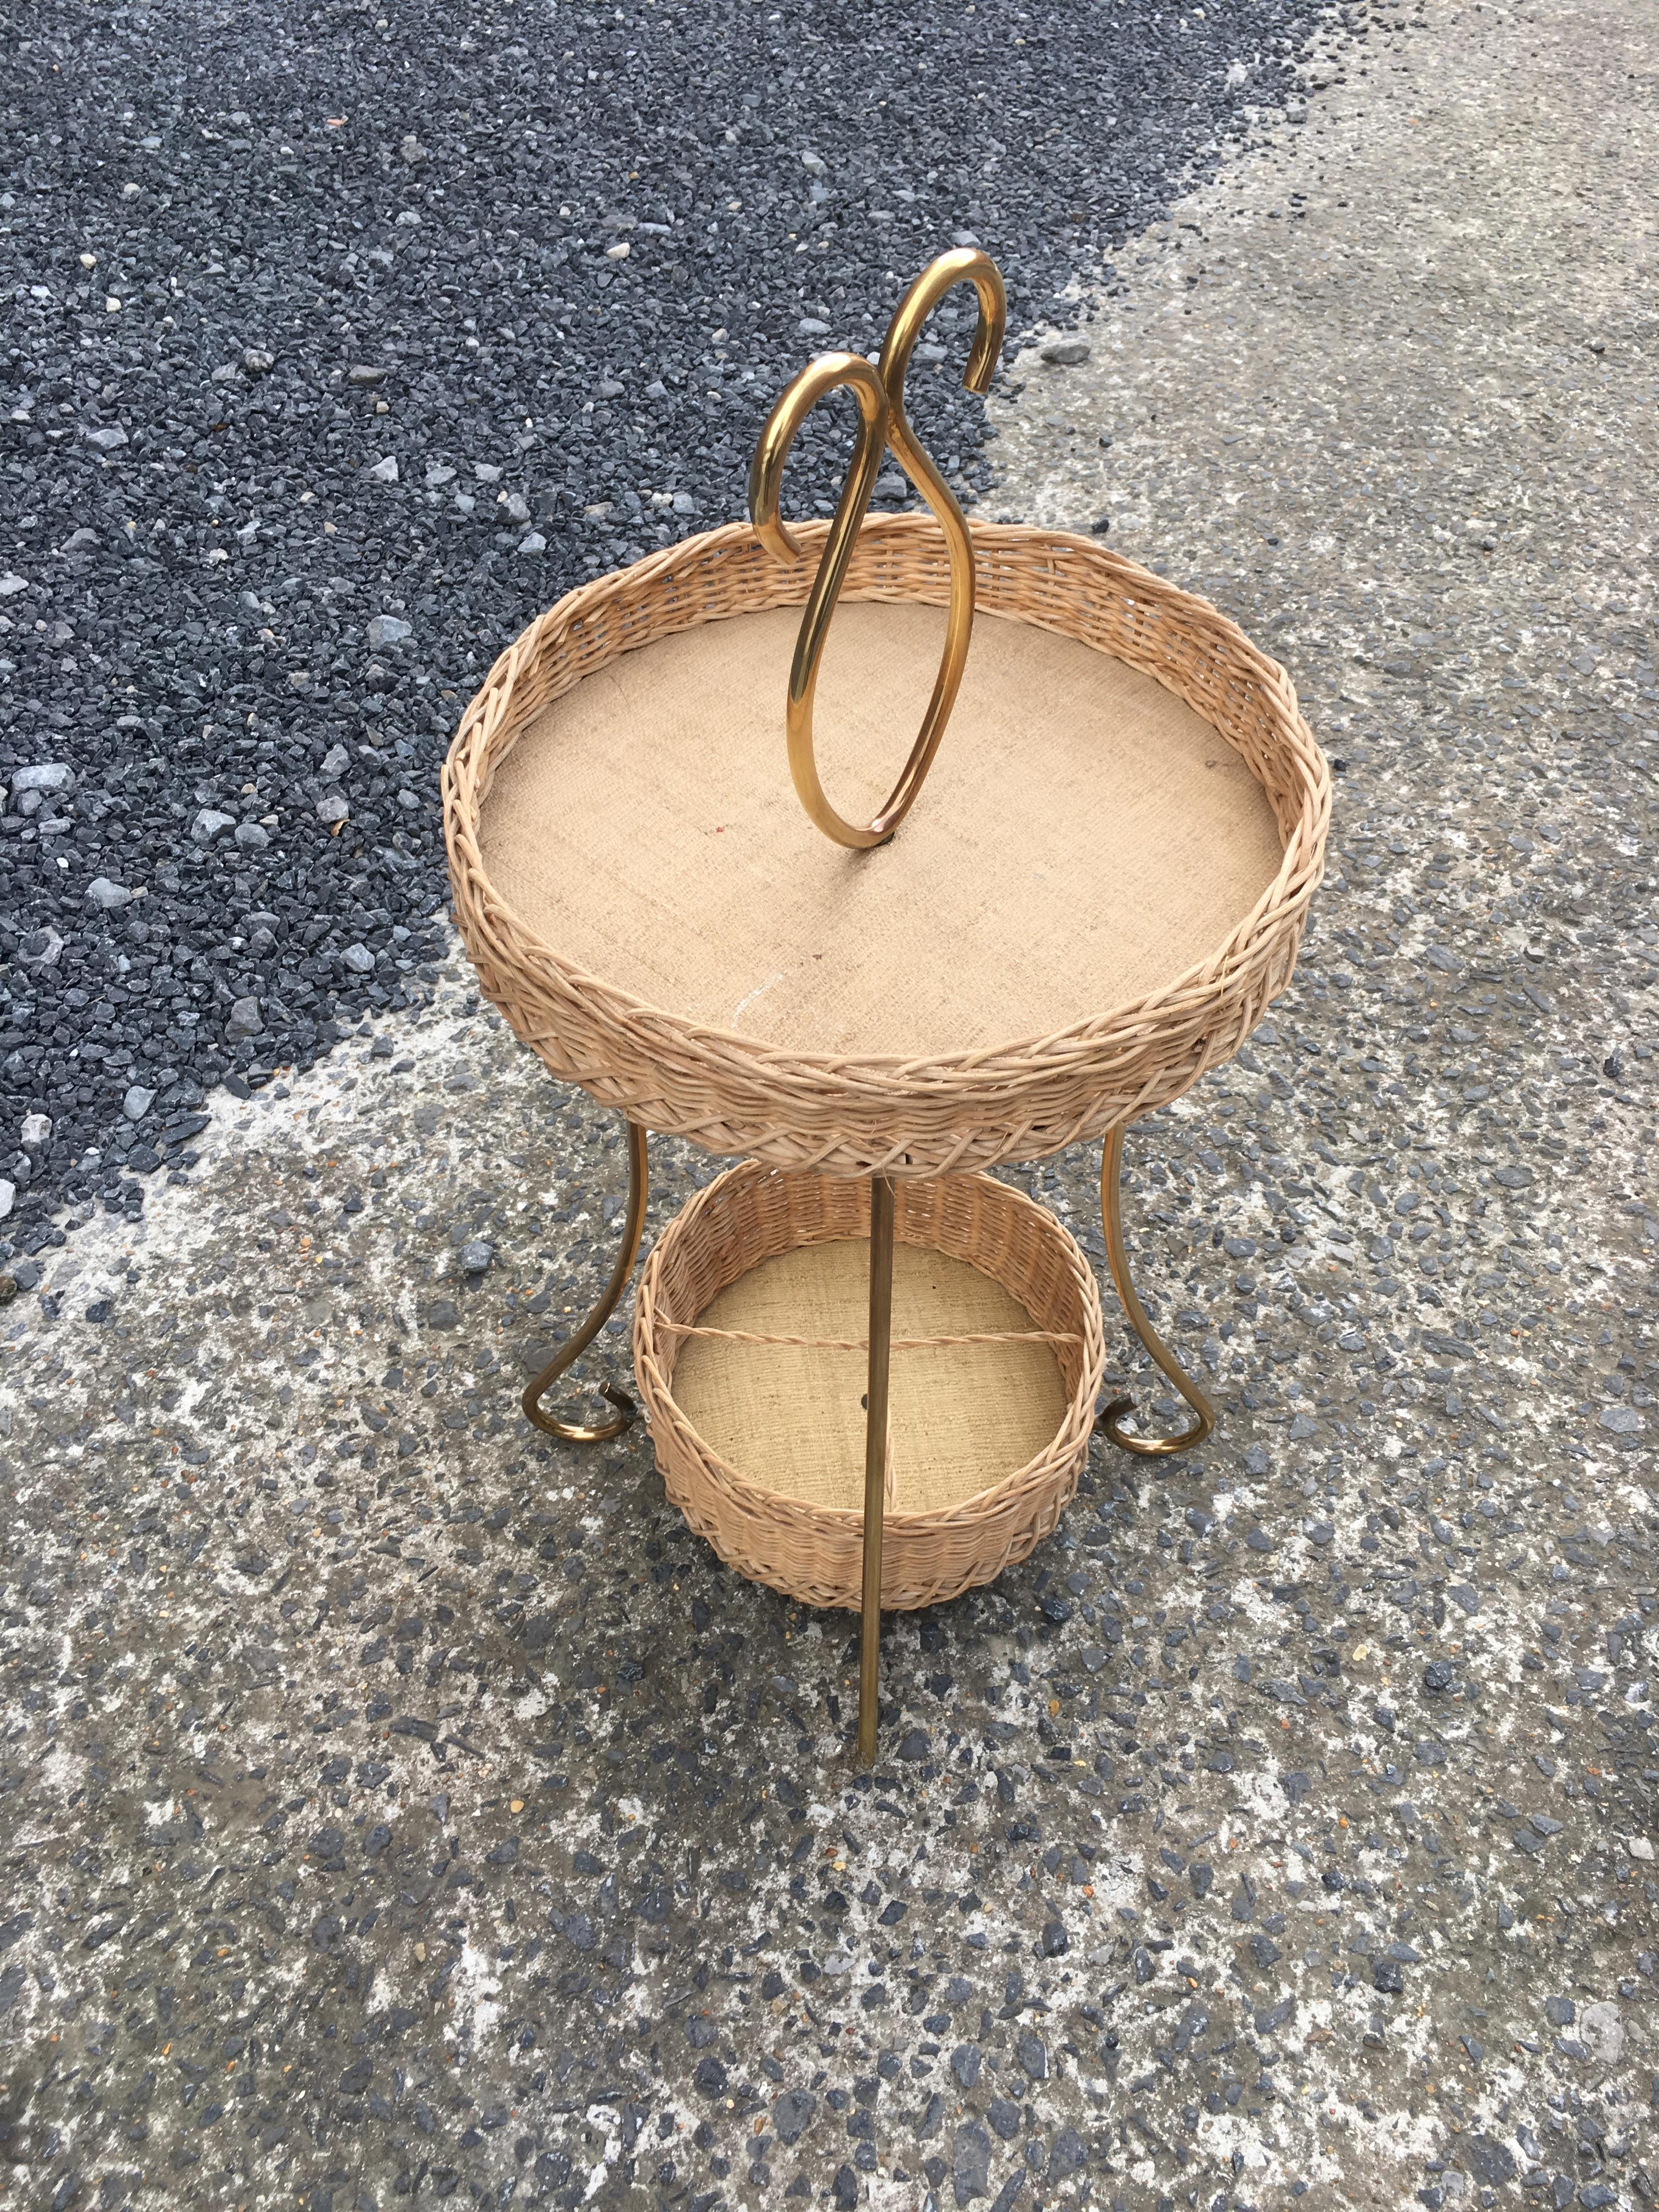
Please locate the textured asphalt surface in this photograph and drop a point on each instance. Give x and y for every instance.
(398, 1806)
(340, 343)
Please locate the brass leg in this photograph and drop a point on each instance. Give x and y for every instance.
(571, 1351)
(1111, 1214)
(875, 1459)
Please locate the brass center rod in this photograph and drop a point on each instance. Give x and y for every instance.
(875, 1459)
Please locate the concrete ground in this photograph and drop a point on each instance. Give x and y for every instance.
(399, 1806)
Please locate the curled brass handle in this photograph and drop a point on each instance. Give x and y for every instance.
(829, 372)
(882, 422)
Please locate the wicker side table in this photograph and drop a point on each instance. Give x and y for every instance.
(1102, 891)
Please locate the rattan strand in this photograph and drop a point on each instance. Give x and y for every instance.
(851, 1115)
(753, 1213)
(862, 1343)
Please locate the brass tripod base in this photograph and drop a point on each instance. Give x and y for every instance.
(882, 1209)
(568, 1352)
(1111, 1214)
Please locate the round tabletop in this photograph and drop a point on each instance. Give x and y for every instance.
(1093, 899)
(1086, 837)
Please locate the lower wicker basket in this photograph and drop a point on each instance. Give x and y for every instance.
(749, 1348)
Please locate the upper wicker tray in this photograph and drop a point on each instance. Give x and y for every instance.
(1090, 903)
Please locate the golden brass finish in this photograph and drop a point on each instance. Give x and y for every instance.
(1111, 1214)
(875, 1459)
(965, 265)
(883, 421)
(827, 374)
(571, 1351)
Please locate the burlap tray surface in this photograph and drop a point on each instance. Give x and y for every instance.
(1100, 891)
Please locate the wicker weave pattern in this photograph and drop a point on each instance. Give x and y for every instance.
(752, 1214)
(851, 1117)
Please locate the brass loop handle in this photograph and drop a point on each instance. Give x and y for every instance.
(964, 265)
(829, 372)
(882, 422)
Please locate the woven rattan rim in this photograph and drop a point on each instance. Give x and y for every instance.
(812, 1552)
(882, 1114)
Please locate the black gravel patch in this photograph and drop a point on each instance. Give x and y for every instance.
(339, 346)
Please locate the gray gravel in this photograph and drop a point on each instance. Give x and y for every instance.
(304, 412)
(399, 1806)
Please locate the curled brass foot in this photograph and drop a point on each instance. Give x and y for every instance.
(571, 1351)
(1111, 1214)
